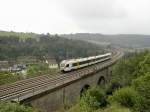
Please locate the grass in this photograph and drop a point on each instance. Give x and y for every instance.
(19, 34)
(113, 108)
(75, 108)
(6, 78)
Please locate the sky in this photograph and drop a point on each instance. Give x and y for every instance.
(76, 16)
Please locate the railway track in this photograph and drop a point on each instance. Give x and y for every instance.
(26, 88)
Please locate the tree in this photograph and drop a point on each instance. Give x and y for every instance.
(144, 66)
(122, 72)
(126, 97)
(130, 68)
(92, 99)
(142, 86)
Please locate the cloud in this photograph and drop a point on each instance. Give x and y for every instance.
(89, 9)
(109, 16)
(71, 16)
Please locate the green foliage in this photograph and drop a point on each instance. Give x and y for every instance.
(132, 71)
(39, 46)
(13, 45)
(32, 71)
(114, 108)
(128, 69)
(142, 86)
(7, 77)
(92, 100)
(122, 72)
(126, 97)
(144, 66)
(111, 87)
(36, 70)
(15, 107)
(75, 108)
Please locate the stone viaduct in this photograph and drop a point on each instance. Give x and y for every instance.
(69, 93)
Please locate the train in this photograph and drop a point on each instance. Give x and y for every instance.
(74, 64)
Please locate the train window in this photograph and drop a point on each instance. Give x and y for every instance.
(84, 62)
(74, 64)
(67, 65)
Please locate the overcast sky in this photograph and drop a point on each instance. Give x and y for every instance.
(72, 16)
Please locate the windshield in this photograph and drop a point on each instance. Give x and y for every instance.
(67, 65)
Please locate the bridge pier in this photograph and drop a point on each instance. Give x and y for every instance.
(68, 94)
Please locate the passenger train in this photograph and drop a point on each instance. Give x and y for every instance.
(73, 64)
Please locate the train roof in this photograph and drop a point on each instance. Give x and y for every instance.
(84, 59)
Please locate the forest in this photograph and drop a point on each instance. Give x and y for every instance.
(13, 45)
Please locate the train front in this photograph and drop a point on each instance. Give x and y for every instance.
(62, 65)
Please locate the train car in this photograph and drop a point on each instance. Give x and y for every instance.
(73, 64)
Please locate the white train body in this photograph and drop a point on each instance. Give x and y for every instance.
(73, 64)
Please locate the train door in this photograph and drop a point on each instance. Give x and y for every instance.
(78, 65)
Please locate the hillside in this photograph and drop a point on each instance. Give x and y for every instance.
(14, 45)
(123, 40)
(24, 48)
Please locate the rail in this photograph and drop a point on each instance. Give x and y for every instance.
(24, 89)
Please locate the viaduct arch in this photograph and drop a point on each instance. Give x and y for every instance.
(69, 94)
(84, 89)
(101, 81)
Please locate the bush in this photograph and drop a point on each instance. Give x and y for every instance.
(126, 97)
(114, 108)
(15, 107)
(92, 100)
(7, 77)
(142, 86)
(129, 68)
(36, 70)
(110, 88)
(144, 66)
(121, 72)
